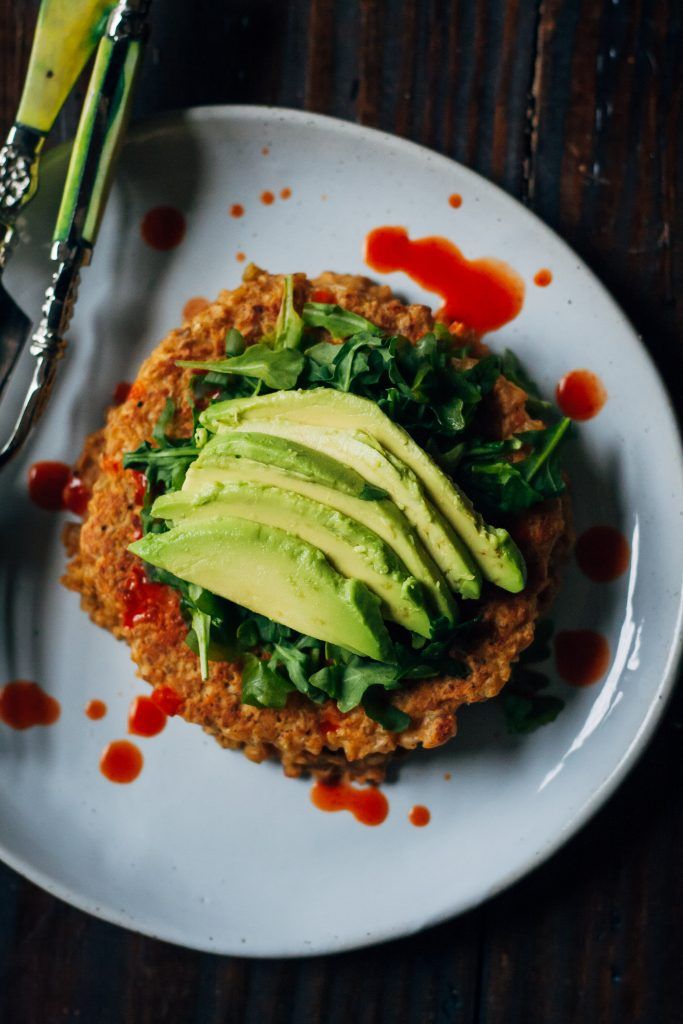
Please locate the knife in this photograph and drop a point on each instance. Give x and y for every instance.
(66, 34)
(103, 121)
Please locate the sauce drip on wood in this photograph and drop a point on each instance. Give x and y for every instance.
(163, 228)
(543, 277)
(581, 395)
(121, 761)
(24, 704)
(602, 554)
(95, 709)
(582, 656)
(419, 816)
(369, 806)
(145, 717)
(142, 599)
(167, 700)
(193, 306)
(121, 392)
(484, 294)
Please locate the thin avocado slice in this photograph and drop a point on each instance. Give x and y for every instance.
(351, 548)
(223, 460)
(494, 551)
(358, 449)
(268, 571)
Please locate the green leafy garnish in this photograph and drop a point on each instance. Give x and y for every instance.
(339, 322)
(289, 328)
(277, 368)
(525, 706)
(261, 686)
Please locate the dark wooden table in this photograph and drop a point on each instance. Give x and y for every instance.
(573, 106)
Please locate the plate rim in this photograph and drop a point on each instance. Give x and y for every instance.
(177, 118)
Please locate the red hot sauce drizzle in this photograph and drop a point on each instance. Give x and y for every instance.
(369, 806)
(482, 293)
(95, 709)
(602, 554)
(322, 295)
(52, 486)
(145, 717)
(121, 761)
(163, 228)
(581, 395)
(142, 599)
(236, 210)
(193, 306)
(582, 656)
(24, 704)
(121, 392)
(419, 816)
(167, 700)
(455, 200)
(542, 278)
(267, 198)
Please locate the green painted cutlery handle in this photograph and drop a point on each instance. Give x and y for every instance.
(102, 125)
(66, 34)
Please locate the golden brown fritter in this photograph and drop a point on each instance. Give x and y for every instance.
(303, 735)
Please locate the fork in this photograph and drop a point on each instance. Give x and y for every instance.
(100, 130)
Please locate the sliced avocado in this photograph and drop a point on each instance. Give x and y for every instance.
(223, 460)
(352, 549)
(268, 571)
(494, 551)
(358, 449)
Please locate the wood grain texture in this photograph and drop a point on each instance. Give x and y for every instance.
(575, 107)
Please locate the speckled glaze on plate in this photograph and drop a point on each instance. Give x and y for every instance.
(204, 848)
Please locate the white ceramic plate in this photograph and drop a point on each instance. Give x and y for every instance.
(205, 848)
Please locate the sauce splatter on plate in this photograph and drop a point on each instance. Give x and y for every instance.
(602, 554)
(163, 228)
(581, 395)
(24, 705)
(369, 806)
(121, 762)
(582, 656)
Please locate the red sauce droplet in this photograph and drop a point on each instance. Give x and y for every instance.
(75, 496)
(483, 293)
(194, 306)
(369, 806)
(46, 483)
(322, 295)
(602, 554)
(267, 198)
(121, 392)
(163, 228)
(24, 704)
(145, 717)
(95, 709)
(455, 200)
(419, 816)
(121, 761)
(142, 599)
(236, 210)
(581, 656)
(140, 481)
(285, 193)
(167, 700)
(240, 257)
(266, 150)
(581, 395)
(543, 277)
(447, 776)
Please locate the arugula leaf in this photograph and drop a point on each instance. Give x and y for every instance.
(234, 342)
(261, 686)
(289, 328)
(525, 714)
(525, 707)
(277, 368)
(159, 430)
(377, 707)
(341, 323)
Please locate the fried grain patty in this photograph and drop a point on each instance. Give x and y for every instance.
(303, 735)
